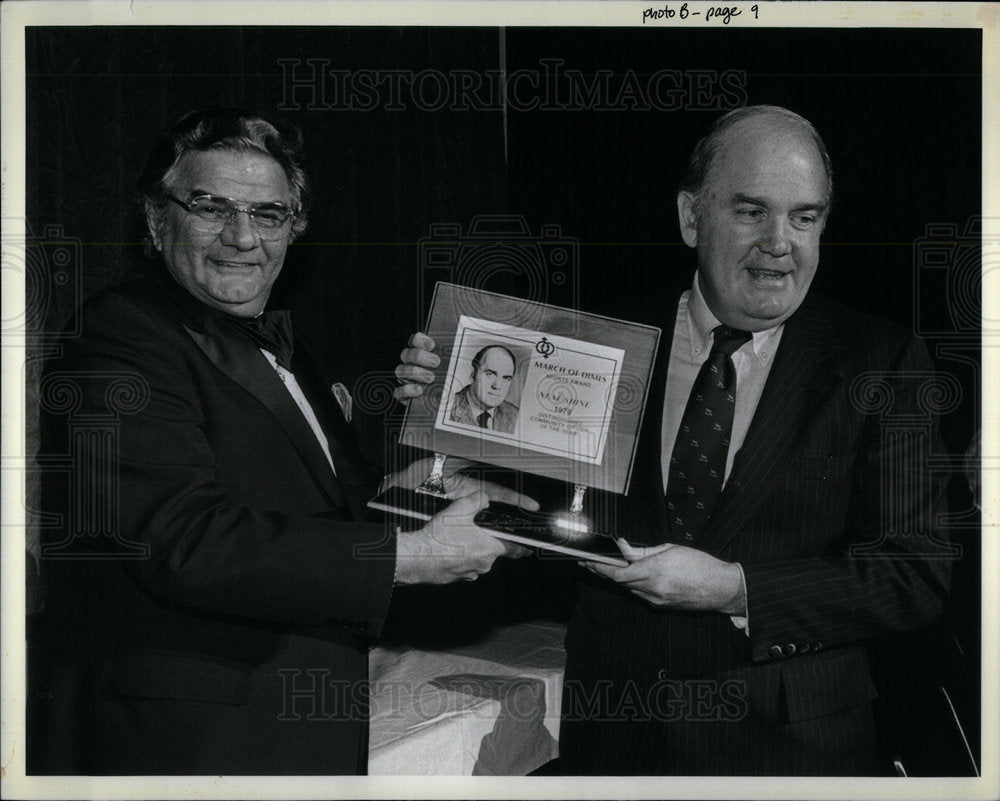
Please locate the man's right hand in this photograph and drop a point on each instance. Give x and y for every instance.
(451, 547)
(416, 367)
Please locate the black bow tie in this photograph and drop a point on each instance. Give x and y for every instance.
(272, 331)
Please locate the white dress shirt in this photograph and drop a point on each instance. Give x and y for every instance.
(690, 348)
(300, 400)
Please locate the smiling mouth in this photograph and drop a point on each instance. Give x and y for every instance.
(766, 275)
(238, 265)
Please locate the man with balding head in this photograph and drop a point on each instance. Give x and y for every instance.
(483, 402)
(772, 525)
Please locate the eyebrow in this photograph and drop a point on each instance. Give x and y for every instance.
(202, 193)
(739, 197)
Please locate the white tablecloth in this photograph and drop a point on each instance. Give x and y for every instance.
(488, 708)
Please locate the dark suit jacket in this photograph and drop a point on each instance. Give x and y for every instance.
(217, 623)
(830, 508)
(504, 415)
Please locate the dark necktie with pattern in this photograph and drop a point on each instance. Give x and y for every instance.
(483, 419)
(698, 462)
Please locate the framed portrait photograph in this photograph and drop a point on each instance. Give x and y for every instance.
(561, 399)
(551, 394)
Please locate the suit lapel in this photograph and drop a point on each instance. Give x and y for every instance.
(239, 359)
(242, 362)
(461, 410)
(351, 465)
(802, 374)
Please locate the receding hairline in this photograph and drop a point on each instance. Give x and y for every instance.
(477, 360)
(706, 153)
(767, 130)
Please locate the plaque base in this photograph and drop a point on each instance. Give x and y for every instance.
(560, 532)
(398, 501)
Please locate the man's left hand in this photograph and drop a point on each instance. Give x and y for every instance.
(678, 577)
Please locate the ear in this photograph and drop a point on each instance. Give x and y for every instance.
(687, 218)
(153, 216)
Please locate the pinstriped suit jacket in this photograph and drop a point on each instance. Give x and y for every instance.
(830, 508)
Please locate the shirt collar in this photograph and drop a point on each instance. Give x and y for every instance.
(701, 321)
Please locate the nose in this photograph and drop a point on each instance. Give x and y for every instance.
(239, 233)
(774, 240)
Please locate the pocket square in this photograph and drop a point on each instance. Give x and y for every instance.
(344, 399)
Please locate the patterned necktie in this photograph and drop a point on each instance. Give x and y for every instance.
(483, 419)
(698, 462)
(271, 331)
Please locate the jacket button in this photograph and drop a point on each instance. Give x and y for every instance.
(817, 646)
(804, 649)
(790, 648)
(775, 651)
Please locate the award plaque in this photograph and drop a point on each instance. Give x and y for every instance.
(534, 388)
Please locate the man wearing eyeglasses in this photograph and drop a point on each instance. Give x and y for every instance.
(236, 642)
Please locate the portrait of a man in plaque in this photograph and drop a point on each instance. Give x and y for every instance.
(548, 393)
(483, 401)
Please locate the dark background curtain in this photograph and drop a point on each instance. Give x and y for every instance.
(565, 134)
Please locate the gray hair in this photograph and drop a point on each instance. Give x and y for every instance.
(225, 129)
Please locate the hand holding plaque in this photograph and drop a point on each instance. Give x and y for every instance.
(534, 388)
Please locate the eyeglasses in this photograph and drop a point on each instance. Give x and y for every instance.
(212, 214)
